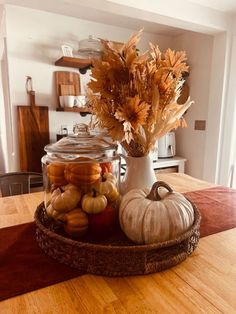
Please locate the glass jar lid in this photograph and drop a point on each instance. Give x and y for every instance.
(90, 47)
(81, 142)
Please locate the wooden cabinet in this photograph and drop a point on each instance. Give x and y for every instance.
(163, 165)
(166, 170)
(172, 164)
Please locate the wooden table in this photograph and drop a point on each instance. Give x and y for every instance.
(205, 282)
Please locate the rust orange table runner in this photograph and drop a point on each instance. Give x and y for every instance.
(218, 209)
(24, 267)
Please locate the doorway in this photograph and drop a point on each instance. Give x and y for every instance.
(6, 132)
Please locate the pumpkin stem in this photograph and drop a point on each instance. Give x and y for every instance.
(154, 195)
(60, 188)
(104, 179)
(94, 193)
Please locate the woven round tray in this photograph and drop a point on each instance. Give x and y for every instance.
(116, 255)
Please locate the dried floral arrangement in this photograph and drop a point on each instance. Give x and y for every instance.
(136, 94)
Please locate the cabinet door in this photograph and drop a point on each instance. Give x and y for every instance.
(167, 170)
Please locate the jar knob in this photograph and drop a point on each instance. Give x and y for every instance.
(81, 129)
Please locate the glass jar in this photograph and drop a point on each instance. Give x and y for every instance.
(90, 48)
(81, 182)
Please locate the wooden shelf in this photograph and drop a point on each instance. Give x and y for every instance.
(74, 62)
(82, 111)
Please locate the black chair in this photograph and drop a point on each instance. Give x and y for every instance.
(14, 183)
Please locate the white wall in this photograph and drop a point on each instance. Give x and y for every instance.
(228, 145)
(34, 39)
(2, 125)
(2, 162)
(190, 142)
(5, 155)
(217, 106)
(210, 153)
(183, 14)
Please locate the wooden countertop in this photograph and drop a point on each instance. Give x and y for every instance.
(205, 282)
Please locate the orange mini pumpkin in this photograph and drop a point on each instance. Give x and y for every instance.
(106, 167)
(55, 172)
(75, 223)
(83, 173)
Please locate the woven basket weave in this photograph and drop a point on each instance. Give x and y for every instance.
(115, 256)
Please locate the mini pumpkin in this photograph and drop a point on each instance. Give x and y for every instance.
(106, 167)
(153, 218)
(86, 172)
(107, 187)
(103, 223)
(55, 172)
(75, 222)
(65, 198)
(109, 176)
(93, 202)
(53, 213)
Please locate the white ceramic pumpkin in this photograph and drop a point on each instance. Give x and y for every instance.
(153, 218)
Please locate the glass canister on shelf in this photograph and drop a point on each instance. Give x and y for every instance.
(62, 133)
(81, 177)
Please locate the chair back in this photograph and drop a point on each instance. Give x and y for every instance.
(14, 183)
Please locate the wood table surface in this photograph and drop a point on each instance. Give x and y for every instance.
(204, 283)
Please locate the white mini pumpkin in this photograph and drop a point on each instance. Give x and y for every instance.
(151, 218)
(65, 198)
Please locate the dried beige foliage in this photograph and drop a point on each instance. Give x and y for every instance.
(134, 96)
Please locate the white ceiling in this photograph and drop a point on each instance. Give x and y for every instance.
(226, 6)
(94, 10)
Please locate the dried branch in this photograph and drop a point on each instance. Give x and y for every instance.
(138, 93)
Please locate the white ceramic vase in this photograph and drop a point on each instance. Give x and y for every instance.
(139, 174)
